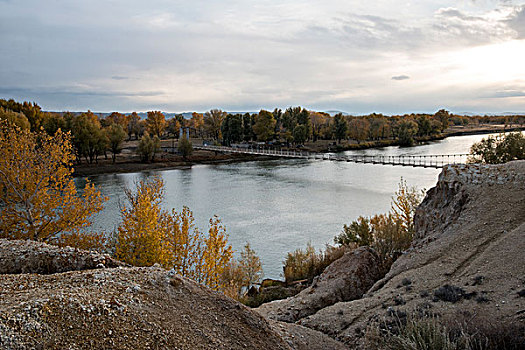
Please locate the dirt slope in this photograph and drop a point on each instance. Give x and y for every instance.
(56, 298)
(468, 256)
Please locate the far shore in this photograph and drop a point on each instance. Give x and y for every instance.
(129, 162)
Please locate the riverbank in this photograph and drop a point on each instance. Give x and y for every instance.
(129, 162)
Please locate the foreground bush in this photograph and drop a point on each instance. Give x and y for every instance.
(306, 264)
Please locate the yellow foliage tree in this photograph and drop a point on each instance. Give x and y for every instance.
(404, 204)
(142, 234)
(185, 243)
(216, 255)
(150, 235)
(38, 198)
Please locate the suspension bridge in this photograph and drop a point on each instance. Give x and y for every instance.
(423, 161)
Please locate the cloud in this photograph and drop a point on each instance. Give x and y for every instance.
(118, 77)
(506, 94)
(400, 77)
(175, 55)
(516, 21)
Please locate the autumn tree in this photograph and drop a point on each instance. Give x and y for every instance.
(116, 135)
(217, 254)
(149, 235)
(185, 242)
(264, 126)
(134, 127)
(404, 204)
(141, 236)
(389, 234)
(213, 122)
(358, 129)
(14, 118)
(156, 123)
(318, 120)
(117, 118)
(197, 121)
(174, 126)
(250, 266)
(38, 197)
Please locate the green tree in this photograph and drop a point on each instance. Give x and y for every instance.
(148, 147)
(406, 130)
(185, 147)
(358, 232)
(88, 137)
(116, 135)
(232, 129)
(340, 127)
(264, 127)
(500, 149)
(53, 122)
(443, 116)
(299, 134)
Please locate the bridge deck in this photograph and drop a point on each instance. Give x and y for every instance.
(424, 161)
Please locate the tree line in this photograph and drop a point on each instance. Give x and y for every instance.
(93, 136)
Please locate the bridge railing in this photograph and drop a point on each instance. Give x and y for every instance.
(423, 160)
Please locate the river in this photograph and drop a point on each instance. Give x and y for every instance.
(280, 205)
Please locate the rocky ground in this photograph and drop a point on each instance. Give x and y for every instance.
(73, 300)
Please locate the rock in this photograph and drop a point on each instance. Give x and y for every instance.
(36, 257)
(471, 224)
(347, 278)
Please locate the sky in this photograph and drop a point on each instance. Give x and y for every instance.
(241, 55)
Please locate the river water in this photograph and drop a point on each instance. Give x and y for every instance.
(280, 205)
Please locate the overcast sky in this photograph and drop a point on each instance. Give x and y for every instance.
(242, 55)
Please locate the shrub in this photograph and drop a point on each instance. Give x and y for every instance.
(451, 294)
(461, 332)
(306, 264)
